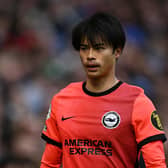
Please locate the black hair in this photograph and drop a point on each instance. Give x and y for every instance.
(100, 26)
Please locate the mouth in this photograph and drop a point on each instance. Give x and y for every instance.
(92, 67)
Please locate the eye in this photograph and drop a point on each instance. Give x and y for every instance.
(83, 47)
(99, 48)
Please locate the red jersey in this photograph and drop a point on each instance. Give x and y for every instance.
(101, 129)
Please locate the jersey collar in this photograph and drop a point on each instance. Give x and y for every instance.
(95, 94)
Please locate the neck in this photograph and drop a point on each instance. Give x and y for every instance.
(100, 85)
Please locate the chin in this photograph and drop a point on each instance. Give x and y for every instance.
(93, 76)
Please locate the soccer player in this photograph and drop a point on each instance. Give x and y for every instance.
(102, 122)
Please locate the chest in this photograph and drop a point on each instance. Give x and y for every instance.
(100, 118)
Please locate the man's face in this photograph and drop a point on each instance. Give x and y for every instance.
(98, 60)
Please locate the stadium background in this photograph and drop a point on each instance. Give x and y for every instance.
(37, 59)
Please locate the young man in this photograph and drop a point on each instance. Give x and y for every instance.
(102, 122)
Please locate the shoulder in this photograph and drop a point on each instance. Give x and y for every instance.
(136, 93)
(142, 104)
(132, 88)
(71, 89)
(130, 91)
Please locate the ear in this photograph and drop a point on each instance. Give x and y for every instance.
(117, 52)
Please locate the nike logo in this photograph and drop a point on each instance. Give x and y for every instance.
(66, 118)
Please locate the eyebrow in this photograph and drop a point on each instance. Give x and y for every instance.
(98, 44)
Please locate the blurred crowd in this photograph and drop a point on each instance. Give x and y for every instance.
(37, 60)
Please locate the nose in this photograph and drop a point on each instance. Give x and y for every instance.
(91, 54)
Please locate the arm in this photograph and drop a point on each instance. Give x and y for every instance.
(153, 155)
(149, 132)
(52, 157)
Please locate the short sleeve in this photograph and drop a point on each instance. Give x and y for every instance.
(50, 131)
(146, 121)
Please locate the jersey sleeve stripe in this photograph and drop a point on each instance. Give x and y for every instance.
(161, 137)
(50, 141)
